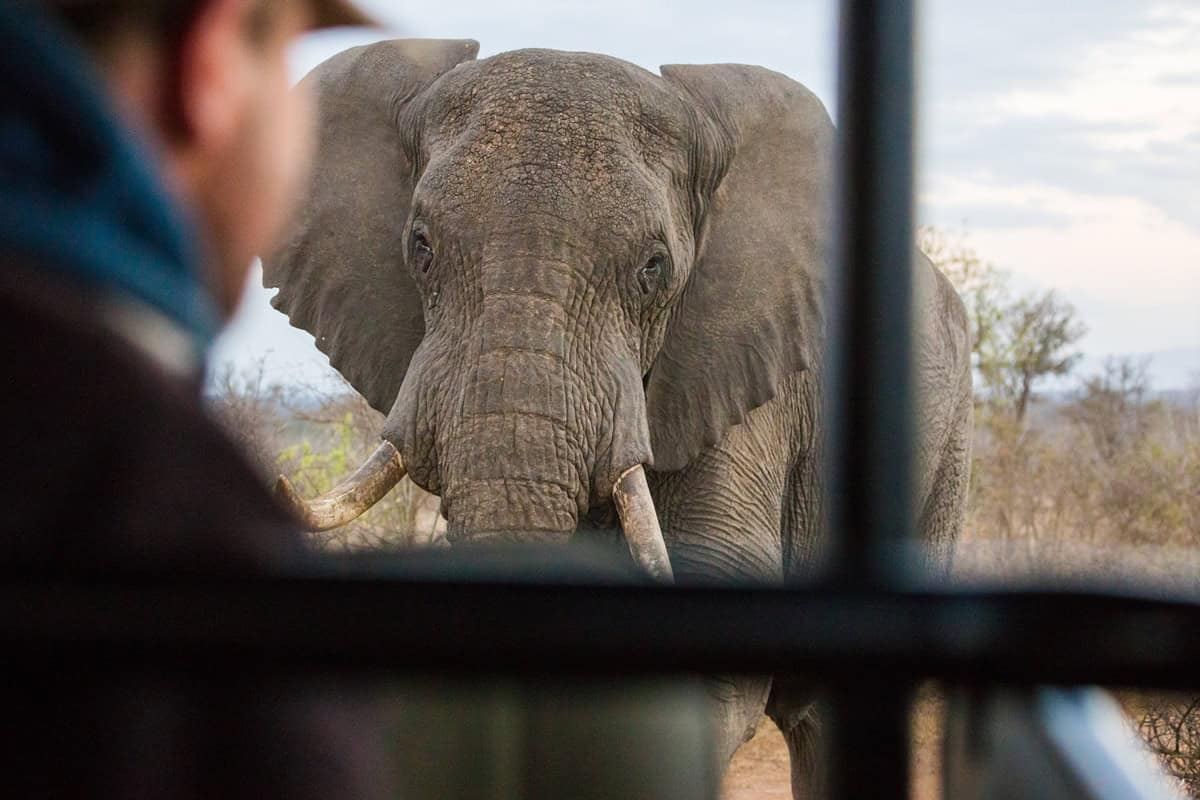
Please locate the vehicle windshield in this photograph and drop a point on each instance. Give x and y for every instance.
(584, 296)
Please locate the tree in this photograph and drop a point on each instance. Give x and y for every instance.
(1016, 342)
(982, 287)
(1034, 341)
(1111, 406)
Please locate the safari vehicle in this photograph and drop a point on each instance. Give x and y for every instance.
(871, 630)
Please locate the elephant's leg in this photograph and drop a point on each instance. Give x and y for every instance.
(721, 519)
(740, 700)
(792, 707)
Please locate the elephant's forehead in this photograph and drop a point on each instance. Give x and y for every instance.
(564, 130)
(599, 193)
(589, 118)
(550, 84)
(574, 137)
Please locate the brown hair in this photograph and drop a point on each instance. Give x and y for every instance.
(95, 21)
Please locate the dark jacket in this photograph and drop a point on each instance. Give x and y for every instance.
(110, 465)
(110, 462)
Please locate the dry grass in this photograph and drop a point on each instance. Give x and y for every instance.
(315, 436)
(1104, 490)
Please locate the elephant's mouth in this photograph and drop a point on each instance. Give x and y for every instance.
(385, 468)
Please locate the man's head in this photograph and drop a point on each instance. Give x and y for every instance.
(205, 83)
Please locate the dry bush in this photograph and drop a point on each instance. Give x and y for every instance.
(251, 410)
(1170, 725)
(1104, 488)
(315, 436)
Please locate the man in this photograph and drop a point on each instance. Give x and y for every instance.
(148, 150)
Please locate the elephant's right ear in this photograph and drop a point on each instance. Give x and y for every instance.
(340, 269)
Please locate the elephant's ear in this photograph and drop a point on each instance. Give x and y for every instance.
(340, 270)
(751, 313)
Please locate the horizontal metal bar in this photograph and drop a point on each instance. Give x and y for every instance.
(507, 627)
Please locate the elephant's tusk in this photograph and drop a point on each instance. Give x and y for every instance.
(350, 498)
(635, 507)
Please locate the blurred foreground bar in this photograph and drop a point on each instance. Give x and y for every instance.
(540, 739)
(421, 618)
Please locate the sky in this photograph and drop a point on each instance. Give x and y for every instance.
(1062, 140)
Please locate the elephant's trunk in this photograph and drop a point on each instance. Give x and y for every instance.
(513, 467)
(529, 420)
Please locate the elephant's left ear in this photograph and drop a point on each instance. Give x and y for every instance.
(751, 313)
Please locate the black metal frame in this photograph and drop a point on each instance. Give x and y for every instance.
(862, 629)
(428, 622)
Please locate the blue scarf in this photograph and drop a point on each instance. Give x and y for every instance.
(77, 193)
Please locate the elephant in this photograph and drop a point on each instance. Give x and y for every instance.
(582, 292)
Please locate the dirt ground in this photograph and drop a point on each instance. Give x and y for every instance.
(759, 771)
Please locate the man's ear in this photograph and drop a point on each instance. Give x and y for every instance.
(211, 84)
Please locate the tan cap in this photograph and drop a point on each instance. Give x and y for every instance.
(336, 13)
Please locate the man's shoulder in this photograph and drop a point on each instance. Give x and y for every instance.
(68, 362)
(56, 334)
(111, 449)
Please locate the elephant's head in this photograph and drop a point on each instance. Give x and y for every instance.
(549, 268)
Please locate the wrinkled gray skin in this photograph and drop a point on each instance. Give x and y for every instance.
(625, 269)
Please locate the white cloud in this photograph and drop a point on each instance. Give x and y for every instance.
(1134, 270)
(1139, 90)
(1084, 193)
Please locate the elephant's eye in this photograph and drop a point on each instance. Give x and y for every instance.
(422, 252)
(650, 274)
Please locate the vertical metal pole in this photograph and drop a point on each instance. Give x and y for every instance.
(868, 740)
(870, 380)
